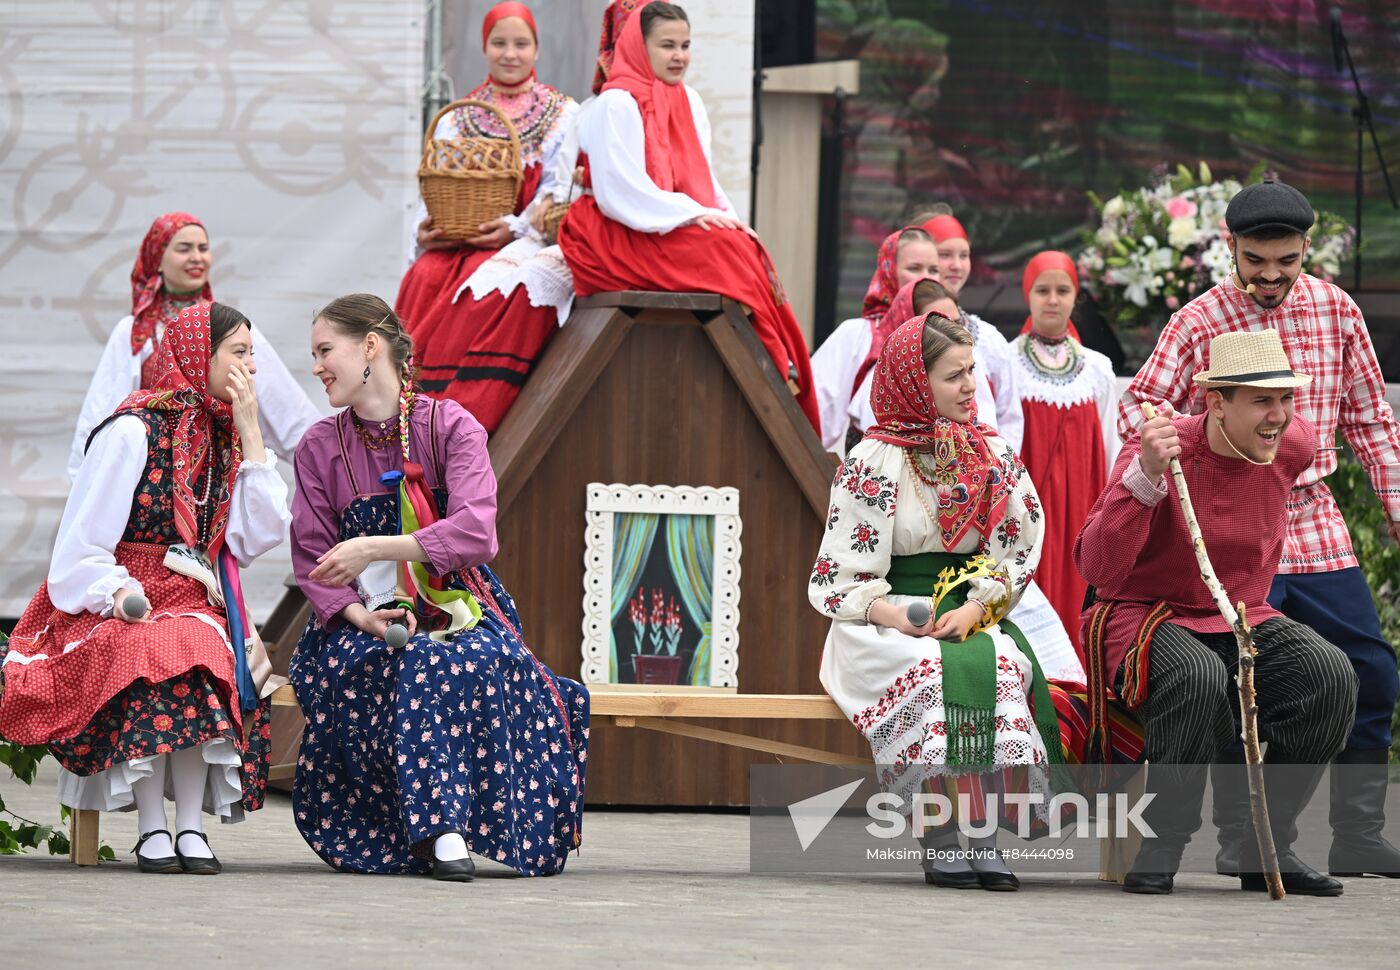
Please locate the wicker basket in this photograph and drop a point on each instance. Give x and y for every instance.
(553, 215)
(469, 181)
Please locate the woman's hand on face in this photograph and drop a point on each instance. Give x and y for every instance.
(494, 235)
(955, 624)
(344, 562)
(430, 238)
(243, 398)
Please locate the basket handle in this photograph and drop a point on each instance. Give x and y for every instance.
(472, 102)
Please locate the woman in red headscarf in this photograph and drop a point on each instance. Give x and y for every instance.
(656, 218)
(469, 349)
(841, 363)
(929, 495)
(176, 490)
(1068, 397)
(172, 272)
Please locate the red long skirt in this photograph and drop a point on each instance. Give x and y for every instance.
(1063, 452)
(482, 362)
(605, 256)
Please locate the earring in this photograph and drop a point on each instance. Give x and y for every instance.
(366, 380)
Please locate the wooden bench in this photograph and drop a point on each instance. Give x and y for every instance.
(668, 711)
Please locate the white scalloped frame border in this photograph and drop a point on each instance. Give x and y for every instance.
(604, 501)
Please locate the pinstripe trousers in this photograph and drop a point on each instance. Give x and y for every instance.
(1306, 690)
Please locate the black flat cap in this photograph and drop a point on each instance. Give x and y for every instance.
(1268, 205)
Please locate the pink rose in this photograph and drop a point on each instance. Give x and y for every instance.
(1187, 262)
(1173, 303)
(1181, 208)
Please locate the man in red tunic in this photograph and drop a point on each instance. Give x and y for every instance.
(1165, 647)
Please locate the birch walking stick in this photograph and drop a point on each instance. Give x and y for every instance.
(1249, 706)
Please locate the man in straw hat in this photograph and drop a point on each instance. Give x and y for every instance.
(1319, 582)
(1169, 652)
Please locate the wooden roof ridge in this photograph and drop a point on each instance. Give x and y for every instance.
(596, 329)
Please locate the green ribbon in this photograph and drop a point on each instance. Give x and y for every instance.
(970, 668)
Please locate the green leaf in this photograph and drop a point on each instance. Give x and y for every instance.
(105, 853)
(58, 844)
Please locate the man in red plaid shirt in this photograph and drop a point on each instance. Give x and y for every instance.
(1319, 582)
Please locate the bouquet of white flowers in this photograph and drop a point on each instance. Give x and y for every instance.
(1158, 247)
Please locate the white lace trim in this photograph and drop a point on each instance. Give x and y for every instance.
(111, 790)
(540, 269)
(1094, 381)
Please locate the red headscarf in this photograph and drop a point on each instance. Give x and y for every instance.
(674, 157)
(183, 387)
(148, 296)
(971, 488)
(1043, 262)
(901, 309)
(943, 227)
(503, 10)
(885, 283)
(613, 20)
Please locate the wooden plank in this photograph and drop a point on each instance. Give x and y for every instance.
(569, 368)
(284, 696)
(650, 299)
(282, 772)
(83, 836)
(810, 465)
(747, 741)
(675, 704)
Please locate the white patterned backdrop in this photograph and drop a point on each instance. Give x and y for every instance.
(290, 129)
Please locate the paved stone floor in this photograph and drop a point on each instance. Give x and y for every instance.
(649, 889)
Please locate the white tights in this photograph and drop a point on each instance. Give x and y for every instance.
(188, 778)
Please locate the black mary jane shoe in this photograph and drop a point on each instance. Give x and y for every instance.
(196, 865)
(454, 870)
(998, 882)
(165, 863)
(952, 880)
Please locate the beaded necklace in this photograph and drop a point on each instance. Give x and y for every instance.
(1055, 373)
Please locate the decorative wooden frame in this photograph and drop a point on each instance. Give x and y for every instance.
(606, 500)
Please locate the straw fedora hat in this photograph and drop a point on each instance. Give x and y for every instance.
(1252, 359)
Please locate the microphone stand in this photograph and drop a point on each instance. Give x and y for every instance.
(1364, 122)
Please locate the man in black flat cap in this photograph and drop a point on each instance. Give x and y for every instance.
(1318, 582)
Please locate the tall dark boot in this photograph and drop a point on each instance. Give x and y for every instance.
(1229, 811)
(1174, 815)
(1288, 788)
(1359, 846)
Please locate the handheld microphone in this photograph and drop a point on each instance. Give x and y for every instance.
(396, 635)
(917, 614)
(135, 606)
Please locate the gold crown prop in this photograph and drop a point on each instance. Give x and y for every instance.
(977, 567)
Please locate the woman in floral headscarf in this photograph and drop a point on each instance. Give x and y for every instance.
(171, 272)
(175, 492)
(931, 495)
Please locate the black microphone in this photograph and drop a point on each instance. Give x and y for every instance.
(135, 606)
(396, 635)
(1336, 15)
(917, 614)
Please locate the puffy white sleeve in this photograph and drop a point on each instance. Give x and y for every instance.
(284, 410)
(701, 117)
(1107, 402)
(258, 514)
(834, 366)
(1001, 374)
(118, 373)
(612, 136)
(1016, 541)
(84, 573)
(854, 559)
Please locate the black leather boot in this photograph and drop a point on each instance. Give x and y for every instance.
(1174, 814)
(1288, 788)
(1359, 846)
(1229, 786)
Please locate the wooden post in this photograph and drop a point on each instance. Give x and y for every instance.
(83, 836)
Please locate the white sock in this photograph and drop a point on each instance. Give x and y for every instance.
(449, 847)
(189, 775)
(150, 810)
(943, 852)
(985, 857)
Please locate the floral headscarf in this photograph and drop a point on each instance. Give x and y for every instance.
(613, 20)
(148, 296)
(885, 283)
(968, 481)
